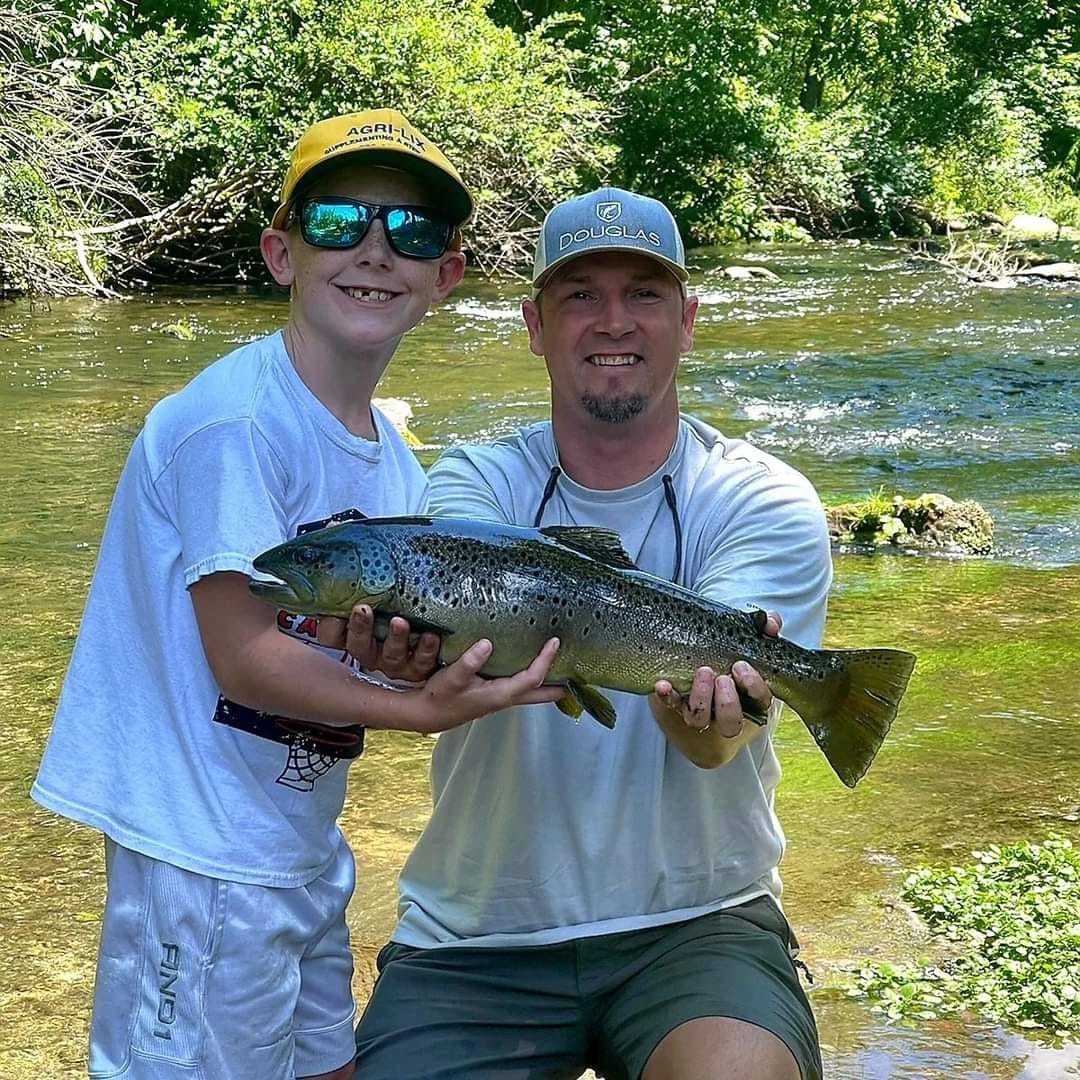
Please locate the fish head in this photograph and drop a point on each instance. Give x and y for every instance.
(326, 572)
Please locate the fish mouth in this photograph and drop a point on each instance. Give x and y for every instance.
(285, 587)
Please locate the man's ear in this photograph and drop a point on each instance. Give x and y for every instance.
(451, 271)
(275, 246)
(690, 306)
(530, 312)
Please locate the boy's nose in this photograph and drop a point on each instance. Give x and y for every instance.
(375, 248)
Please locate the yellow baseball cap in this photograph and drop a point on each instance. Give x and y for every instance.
(383, 137)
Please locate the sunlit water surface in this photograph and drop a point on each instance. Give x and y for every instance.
(859, 367)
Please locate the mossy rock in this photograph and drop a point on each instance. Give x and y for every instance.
(931, 522)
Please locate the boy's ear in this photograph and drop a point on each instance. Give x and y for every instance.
(451, 271)
(274, 244)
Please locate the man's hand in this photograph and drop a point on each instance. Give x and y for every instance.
(402, 657)
(720, 714)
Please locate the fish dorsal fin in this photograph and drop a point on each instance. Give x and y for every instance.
(604, 545)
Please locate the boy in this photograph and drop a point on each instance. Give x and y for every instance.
(208, 745)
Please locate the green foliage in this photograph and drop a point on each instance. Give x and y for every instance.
(64, 163)
(226, 101)
(1014, 919)
(750, 118)
(838, 114)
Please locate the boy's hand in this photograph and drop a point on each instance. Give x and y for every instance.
(403, 656)
(457, 694)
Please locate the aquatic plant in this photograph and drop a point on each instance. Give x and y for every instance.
(1012, 921)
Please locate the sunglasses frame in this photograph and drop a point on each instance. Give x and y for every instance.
(378, 212)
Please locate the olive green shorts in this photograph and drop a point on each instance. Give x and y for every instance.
(604, 1003)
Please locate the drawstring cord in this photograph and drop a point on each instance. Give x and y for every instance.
(549, 490)
(669, 498)
(673, 506)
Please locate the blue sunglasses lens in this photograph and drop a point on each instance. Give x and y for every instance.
(415, 232)
(334, 224)
(342, 223)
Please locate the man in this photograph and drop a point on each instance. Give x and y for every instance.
(584, 897)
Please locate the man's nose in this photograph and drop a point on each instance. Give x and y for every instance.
(614, 317)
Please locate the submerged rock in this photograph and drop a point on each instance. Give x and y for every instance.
(747, 273)
(1033, 226)
(931, 522)
(1054, 271)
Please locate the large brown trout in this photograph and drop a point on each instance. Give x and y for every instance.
(619, 627)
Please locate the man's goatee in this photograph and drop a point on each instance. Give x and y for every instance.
(614, 410)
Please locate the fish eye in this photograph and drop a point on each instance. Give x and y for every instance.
(306, 555)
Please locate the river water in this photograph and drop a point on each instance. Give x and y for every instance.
(859, 367)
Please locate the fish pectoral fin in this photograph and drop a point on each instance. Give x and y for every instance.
(603, 545)
(589, 699)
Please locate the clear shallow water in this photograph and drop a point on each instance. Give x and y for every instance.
(859, 368)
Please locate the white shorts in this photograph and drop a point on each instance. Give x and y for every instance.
(204, 979)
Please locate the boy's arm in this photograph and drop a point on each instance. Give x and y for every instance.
(258, 666)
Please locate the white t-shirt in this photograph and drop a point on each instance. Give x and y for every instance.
(240, 459)
(545, 829)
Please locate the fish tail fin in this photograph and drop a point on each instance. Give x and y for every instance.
(850, 724)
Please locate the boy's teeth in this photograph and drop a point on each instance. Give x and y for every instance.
(613, 361)
(370, 294)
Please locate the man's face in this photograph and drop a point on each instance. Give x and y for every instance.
(611, 327)
(365, 297)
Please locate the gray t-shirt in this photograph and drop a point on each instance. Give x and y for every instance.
(545, 829)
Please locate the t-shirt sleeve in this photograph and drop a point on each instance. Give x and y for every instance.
(459, 488)
(225, 490)
(773, 553)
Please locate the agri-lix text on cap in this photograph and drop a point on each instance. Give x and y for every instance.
(376, 137)
(608, 219)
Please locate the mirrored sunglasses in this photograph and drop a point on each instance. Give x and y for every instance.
(333, 221)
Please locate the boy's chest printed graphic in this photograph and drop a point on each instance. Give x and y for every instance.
(312, 750)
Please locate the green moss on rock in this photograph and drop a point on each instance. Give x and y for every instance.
(930, 522)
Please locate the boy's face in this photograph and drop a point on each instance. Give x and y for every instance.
(364, 298)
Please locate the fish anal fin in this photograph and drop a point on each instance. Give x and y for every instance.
(604, 545)
(588, 699)
(850, 725)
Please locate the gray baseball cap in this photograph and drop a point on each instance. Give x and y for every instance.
(608, 219)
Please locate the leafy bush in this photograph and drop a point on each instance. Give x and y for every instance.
(65, 161)
(231, 100)
(1014, 916)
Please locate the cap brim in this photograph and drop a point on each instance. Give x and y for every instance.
(453, 197)
(678, 271)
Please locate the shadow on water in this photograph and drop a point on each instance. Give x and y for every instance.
(858, 367)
